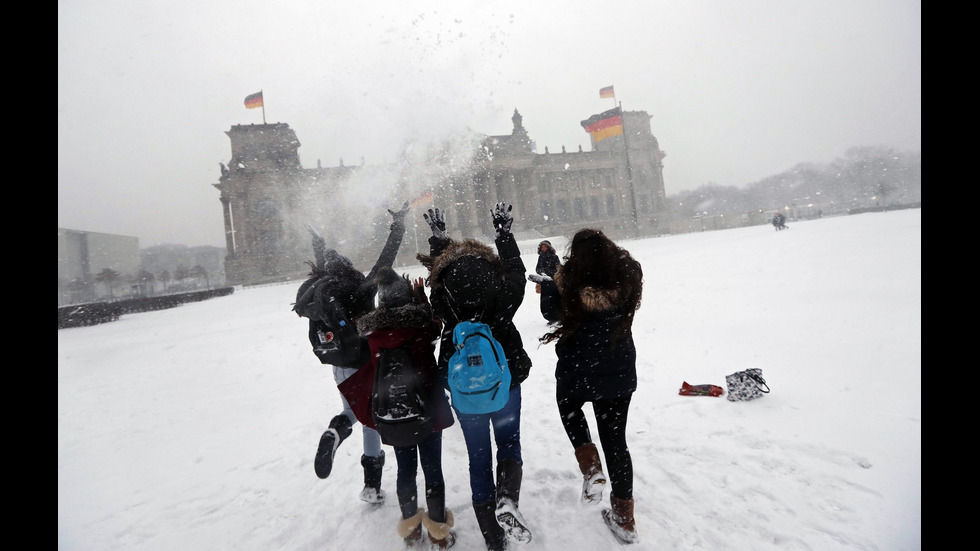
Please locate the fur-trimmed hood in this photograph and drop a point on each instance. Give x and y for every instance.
(453, 252)
(409, 315)
(594, 299)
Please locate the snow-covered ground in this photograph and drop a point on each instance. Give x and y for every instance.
(195, 428)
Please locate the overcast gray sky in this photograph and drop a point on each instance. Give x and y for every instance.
(738, 90)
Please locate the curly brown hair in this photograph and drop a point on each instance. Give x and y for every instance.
(595, 261)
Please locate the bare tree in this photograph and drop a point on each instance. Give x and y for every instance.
(109, 277)
(181, 273)
(198, 271)
(164, 276)
(144, 280)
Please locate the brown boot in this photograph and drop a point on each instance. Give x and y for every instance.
(620, 521)
(591, 466)
(410, 529)
(440, 534)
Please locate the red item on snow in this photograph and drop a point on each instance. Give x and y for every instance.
(700, 390)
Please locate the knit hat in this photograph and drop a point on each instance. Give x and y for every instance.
(393, 289)
(334, 278)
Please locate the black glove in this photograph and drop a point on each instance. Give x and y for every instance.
(502, 218)
(437, 223)
(538, 278)
(398, 218)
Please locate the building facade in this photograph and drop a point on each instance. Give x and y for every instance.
(268, 199)
(83, 255)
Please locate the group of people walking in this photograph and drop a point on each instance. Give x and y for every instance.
(589, 302)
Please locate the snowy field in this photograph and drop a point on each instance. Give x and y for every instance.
(195, 428)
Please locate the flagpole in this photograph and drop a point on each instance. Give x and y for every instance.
(418, 202)
(263, 106)
(415, 232)
(629, 169)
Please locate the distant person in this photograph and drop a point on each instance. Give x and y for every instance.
(334, 296)
(547, 265)
(596, 294)
(779, 221)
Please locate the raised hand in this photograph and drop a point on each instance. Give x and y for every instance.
(319, 246)
(502, 218)
(437, 223)
(399, 217)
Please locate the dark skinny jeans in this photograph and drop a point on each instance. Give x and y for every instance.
(429, 451)
(611, 415)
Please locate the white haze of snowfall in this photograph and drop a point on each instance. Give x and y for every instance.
(195, 428)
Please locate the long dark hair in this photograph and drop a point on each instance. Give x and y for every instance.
(595, 261)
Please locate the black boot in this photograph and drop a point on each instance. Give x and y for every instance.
(509, 475)
(372, 478)
(438, 519)
(493, 534)
(435, 500)
(410, 526)
(339, 429)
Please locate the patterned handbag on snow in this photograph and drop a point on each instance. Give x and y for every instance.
(746, 385)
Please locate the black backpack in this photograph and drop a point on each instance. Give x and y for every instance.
(398, 404)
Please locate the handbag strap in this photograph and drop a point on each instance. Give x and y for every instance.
(760, 382)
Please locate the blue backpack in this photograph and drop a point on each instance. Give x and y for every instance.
(479, 379)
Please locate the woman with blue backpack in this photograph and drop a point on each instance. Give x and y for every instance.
(470, 283)
(594, 297)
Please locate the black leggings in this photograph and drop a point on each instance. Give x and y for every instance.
(611, 419)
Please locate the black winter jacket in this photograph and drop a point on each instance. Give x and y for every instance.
(500, 311)
(548, 263)
(355, 298)
(588, 367)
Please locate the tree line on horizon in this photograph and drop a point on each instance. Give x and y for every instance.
(144, 279)
(865, 176)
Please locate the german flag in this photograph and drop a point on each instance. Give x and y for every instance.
(254, 100)
(607, 92)
(604, 125)
(422, 199)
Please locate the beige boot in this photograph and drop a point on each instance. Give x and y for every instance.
(410, 529)
(620, 520)
(440, 534)
(591, 466)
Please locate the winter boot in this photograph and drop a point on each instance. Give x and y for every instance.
(339, 429)
(410, 526)
(509, 475)
(619, 519)
(372, 492)
(438, 520)
(493, 534)
(591, 467)
(440, 534)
